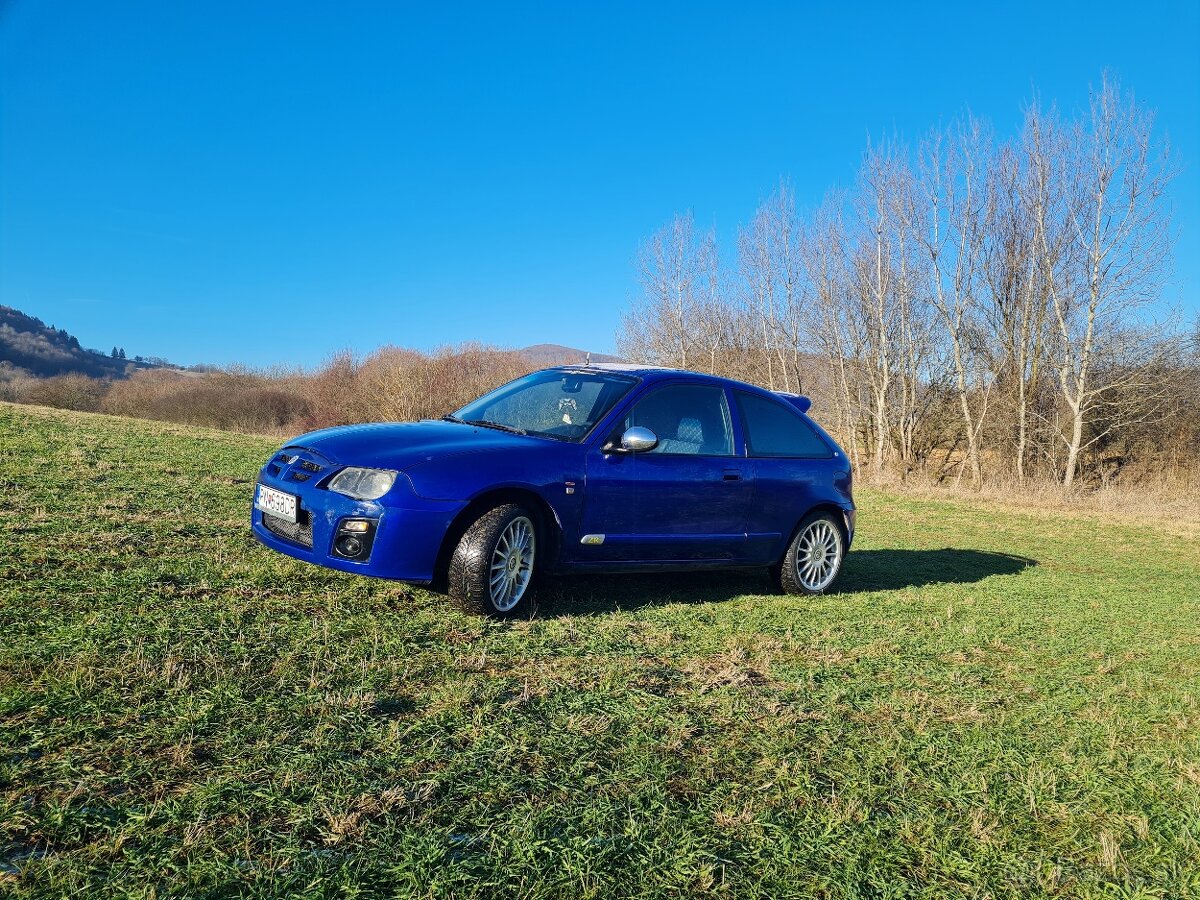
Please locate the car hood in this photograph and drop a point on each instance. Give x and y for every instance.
(401, 445)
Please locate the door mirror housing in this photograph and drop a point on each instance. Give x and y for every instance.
(638, 439)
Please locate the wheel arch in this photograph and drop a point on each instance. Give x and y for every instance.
(839, 514)
(546, 520)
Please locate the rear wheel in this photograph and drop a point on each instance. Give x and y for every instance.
(492, 566)
(814, 558)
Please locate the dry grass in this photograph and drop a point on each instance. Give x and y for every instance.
(1168, 505)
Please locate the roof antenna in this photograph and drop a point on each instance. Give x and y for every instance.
(588, 360)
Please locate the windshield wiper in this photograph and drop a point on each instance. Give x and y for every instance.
(484, 423)
(498, 426)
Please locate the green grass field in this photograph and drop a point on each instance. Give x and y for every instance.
(995, 704)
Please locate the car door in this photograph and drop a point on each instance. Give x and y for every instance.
(790, 462)
(685, 500)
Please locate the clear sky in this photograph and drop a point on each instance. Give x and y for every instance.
(265, 183)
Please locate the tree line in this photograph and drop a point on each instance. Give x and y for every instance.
(971, 307)
(391, 383)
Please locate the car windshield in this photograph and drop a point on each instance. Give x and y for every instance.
(554, 404)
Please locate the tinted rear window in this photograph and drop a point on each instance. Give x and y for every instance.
(773, 429)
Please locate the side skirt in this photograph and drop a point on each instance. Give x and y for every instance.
(621, 567)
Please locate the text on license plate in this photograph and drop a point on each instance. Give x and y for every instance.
(277, 503)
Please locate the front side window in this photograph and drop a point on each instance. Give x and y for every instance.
(687, 419)
(774, 430)
(554, 404)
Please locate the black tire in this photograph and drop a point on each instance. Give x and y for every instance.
(482, 548)
(810, 546)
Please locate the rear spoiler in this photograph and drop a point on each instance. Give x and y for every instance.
(801, 403)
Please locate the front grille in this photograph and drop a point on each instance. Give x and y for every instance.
(297, 532)
(309, 466)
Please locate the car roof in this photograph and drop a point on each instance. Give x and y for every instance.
(623, 368)
(660, 373)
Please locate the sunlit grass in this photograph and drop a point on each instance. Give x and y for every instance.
(997, 703)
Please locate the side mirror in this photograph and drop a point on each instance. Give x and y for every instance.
(638, 439)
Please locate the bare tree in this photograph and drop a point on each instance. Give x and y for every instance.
(1113, 176)
(663, 325)
(1018, 305)
(881, 287)
(759, 271)
(773, 282)
(948, 213)
(713, 313)
(835, 323)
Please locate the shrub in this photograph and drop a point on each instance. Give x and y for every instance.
(15, 382)
(70, 391)
(238, 401)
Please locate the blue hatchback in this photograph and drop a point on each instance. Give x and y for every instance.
(598, 468)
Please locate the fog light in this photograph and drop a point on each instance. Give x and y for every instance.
(350, 546)
(354, 539)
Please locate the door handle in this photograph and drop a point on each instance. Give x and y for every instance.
(733, 475)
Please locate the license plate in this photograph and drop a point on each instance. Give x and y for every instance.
(277, 503)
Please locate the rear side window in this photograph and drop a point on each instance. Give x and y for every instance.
(774, 430)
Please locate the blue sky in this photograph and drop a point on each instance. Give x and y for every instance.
(265, 183)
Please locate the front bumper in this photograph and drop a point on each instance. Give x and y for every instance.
(407, 536)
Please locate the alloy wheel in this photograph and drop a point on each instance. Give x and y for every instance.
(512, 564)
(818, 555)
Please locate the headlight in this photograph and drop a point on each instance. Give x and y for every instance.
(363, 484)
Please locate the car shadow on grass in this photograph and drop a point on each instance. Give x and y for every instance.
(865, 571)
(894, 570)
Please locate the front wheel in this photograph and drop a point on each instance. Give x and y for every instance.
(814, 558)
(492, 566)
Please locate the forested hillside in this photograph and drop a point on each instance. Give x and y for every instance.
(29, 343)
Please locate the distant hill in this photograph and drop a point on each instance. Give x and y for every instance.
(29, 343)
(558, 355)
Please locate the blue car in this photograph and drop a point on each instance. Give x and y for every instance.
(596, 468)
